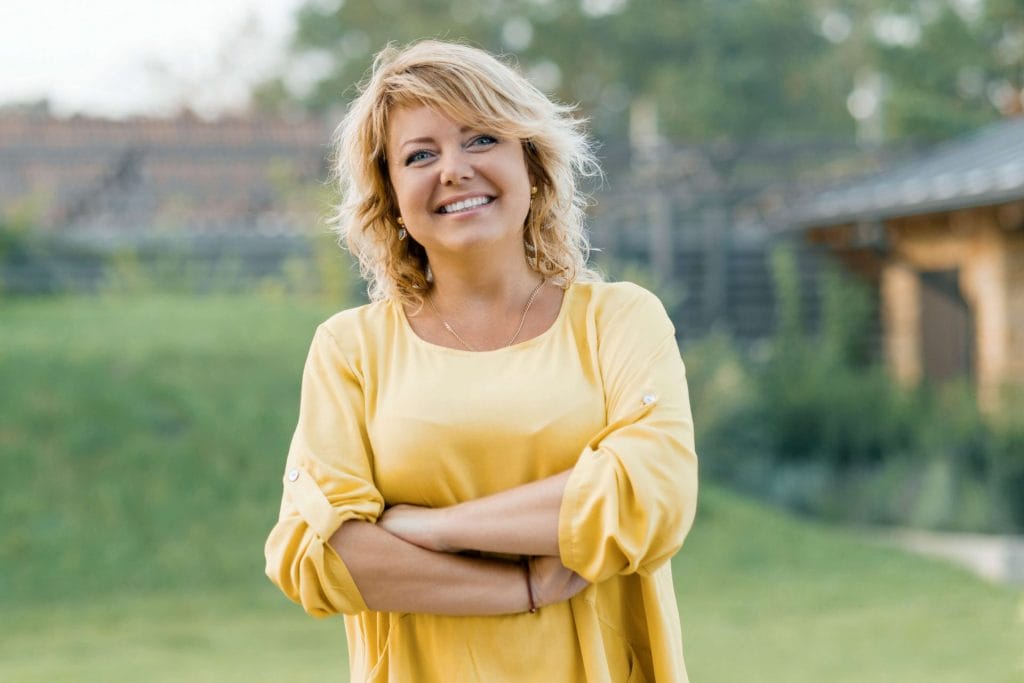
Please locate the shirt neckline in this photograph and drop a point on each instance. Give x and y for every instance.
(526, 343)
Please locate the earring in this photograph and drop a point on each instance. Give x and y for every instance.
(402, 232)
(533, 192)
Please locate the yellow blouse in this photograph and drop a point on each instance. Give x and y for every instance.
(387, 417)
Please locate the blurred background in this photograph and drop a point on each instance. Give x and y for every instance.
(828, 196)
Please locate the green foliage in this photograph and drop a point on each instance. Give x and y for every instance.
(671, 293)
(822, 390)
(846, 320)
(738, 70)
(14, 239)
(19, 245)
(787, 296)
(1006, 475)
(695, 61)
(951, 81)
(817, 425)
(182, 269)
(33, 263)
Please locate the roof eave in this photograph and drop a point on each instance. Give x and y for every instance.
(945, 205)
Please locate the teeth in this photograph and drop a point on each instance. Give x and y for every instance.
(465, 204)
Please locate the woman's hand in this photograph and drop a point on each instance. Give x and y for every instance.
(552, 582)
(418, 525)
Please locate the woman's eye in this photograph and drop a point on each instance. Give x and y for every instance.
(417, 156)
(484, 141)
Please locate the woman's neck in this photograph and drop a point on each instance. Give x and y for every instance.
(483, 305)
(471, 284)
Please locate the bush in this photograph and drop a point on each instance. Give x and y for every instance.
(817, 425)
(34, 263)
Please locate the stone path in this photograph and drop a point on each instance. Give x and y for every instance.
(996, 558)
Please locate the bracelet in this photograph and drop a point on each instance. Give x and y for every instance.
(529, 585)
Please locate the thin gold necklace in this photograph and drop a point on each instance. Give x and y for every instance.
(510, 342)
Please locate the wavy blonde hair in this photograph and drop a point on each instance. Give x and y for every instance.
(473, 87)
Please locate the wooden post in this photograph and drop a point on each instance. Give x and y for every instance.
(660, 245)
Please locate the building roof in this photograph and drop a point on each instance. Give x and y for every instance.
(94, 176)
(978, 169)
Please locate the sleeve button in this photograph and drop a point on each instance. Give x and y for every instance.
(293, 475)
(648, 399)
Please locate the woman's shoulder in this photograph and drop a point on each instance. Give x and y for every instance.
(621, 310)
(358, 317)
(616, 298)
(354, 329)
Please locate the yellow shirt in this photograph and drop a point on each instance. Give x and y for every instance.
(389, 418)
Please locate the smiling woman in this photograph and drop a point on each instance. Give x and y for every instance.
(457, 188)
(494, 459)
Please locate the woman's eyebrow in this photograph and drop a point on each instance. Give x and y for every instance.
(416, 141)
(426, 139)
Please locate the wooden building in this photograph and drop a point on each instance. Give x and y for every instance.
(942, 238)
(122, 179)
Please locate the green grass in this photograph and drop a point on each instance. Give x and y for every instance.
(767, 597)
(141, 446)
(202, 637)
(142, 440)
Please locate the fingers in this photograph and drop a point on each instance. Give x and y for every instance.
(553, 582)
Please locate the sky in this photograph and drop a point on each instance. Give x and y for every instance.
(118, 58)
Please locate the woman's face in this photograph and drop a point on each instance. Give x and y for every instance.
(458, 188)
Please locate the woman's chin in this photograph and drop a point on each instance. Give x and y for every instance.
(473, 242)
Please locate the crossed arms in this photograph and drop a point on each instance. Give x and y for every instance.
(407, 562)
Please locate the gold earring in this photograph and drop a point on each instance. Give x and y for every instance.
(533, 190)
(401, 221)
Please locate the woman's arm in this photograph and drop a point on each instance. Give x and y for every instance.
(521, 520)
(396, 576)
(326, 553)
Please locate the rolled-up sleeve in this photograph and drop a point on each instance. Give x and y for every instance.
(327, 481)
(631, 497)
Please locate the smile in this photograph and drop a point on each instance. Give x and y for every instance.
(465, 204)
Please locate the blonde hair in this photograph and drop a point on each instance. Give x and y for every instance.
(470, 86)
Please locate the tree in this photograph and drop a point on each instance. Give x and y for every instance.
(930, 69)
(713, 70)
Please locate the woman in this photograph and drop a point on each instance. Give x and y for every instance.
(494, 459)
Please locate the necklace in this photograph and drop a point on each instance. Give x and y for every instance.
(510, 342)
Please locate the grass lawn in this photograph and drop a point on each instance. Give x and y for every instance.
(203, 637)
(767, 597)
(141, 443)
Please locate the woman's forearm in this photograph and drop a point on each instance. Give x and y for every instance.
(522, 520)
(393, 575)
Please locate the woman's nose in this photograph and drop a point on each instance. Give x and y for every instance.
(456, 168)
